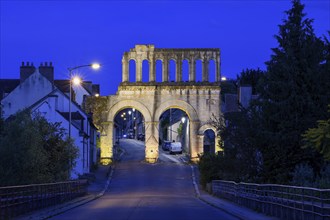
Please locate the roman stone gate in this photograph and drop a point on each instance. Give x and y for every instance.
(198, 99)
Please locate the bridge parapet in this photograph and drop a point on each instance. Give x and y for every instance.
(282, 201)
(16, 200)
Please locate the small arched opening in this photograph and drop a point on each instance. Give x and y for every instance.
(185, 71)
(209, 141)
(159, 70)
(172, 70)
(199, 69)
(212, 71)
(145, 71)
(132, 71)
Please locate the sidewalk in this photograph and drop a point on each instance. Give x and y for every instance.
(232, 208)
(225, 205)
(95, 189)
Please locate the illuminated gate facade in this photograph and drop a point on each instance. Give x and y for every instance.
(199, 99)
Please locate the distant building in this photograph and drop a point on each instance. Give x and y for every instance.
(232, 102)
(37, 90)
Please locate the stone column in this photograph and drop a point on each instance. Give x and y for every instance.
(124, 62)
(205, 76)
(192, 70)
(152, 75)
(217, 70)
(151, 137)
(178, 70)
(165, 70)
(217, 145)
(106, 143)
(195, 141)
(138, 69)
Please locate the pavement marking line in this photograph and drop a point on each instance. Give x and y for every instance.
(107, 183)
(194, 181)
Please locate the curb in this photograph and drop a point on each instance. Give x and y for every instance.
(64, 207)
(198, 195)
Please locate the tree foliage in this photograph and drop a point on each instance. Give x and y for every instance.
(97, 106)
(251, 77)
(266, 138)
(291, 98)
(34, 151)
(319, 137)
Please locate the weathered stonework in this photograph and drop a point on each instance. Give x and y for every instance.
(198, 99)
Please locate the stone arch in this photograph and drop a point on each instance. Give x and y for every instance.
(129, 103)
(182, 105)
(205, 127)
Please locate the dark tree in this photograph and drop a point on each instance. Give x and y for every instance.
(251, 77)
(34, 151)
(293, 96)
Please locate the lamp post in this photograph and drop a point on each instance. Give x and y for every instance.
(76, 81)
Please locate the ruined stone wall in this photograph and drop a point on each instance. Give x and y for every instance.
(198, 99)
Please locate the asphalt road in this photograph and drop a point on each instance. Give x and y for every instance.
(147, 191)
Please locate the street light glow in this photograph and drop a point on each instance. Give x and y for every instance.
(97, 95)
(223, 78)
(95, 66)
(76, 80)
(183, 119)
(129, 112)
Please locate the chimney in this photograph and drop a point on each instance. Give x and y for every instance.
(47, 71)
(95, 89)
(26, 71)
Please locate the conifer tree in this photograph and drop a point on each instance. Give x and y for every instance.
(292, 97)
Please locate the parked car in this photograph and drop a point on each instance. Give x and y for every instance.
(175, 147)
(141, 137)
(166, 145)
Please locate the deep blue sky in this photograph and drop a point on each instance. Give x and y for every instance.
(71, 33)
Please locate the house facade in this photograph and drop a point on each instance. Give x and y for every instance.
(37, 90)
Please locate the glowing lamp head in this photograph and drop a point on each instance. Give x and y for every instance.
(76, 81)
(223, 78)
(183, 119)
(95, 66)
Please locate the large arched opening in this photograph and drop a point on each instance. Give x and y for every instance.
(192, 122)
(174, 130)
(128, 127)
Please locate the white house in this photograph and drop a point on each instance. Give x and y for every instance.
(37, 91)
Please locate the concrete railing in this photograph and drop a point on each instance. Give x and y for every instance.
(282, 201)
(16, 200)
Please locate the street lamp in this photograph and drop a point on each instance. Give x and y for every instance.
(77, 81)
(183, 119)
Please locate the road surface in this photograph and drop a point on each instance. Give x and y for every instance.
(141, 191)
